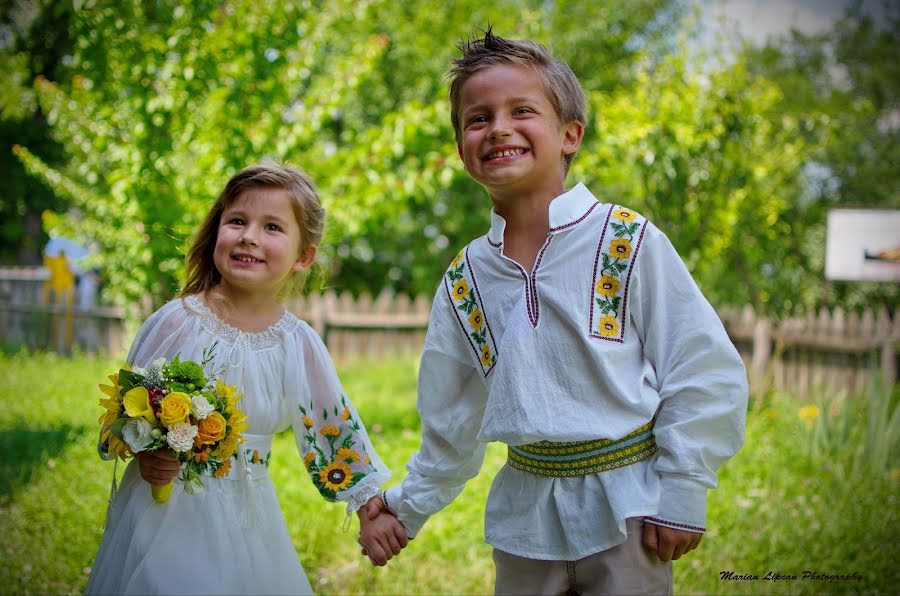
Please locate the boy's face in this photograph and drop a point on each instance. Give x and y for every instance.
(511, 140)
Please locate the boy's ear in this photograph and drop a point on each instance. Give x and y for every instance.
(305, 258)
(573, 132)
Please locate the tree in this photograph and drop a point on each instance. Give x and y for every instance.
(168, 99)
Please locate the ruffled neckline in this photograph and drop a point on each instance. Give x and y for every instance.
(253, 340)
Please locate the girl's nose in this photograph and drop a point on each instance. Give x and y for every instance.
(249, 236)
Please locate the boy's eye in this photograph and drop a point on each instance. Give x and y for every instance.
(477, 120)
(522, 111)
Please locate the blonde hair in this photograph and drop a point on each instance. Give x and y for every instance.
(201, 273)
(560, 83)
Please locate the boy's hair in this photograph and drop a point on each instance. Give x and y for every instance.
(560, 83)
(201, 272)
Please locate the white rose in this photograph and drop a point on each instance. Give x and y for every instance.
(201, 407)
(181, 437)
(137, 434)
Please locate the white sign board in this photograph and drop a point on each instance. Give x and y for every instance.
(863, 245)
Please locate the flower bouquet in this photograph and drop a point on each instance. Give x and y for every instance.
(173, 405)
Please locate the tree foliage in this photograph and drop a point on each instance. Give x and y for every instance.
(162, 101)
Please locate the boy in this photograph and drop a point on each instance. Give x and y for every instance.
(573, 333)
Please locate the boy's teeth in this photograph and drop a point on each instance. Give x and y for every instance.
(248, 259)
(505, 153)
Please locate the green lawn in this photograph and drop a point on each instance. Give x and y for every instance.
(797, 498)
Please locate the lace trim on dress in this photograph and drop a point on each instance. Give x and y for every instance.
(255, 341)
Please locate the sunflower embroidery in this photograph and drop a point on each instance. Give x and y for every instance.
(616, 254)
(469, 311)
(334, 455)
(336, 476)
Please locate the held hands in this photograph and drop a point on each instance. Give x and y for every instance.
(158, 467)
(381, 534)
(669, 544)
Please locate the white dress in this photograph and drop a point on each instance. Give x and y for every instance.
(231, 538)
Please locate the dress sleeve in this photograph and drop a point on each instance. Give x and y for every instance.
(329, 433)
(700, 378)
(451, 401)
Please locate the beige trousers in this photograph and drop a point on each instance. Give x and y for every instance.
(624, 569)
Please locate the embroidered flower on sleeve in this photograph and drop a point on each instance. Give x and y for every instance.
(476, 319)
(460, 289)
(347, 454)
(609, 327)
(330, 430)
(335, 456)
(486, 357)
(458, 258)
(336, 476)
(624, 214)
(620, 248)
(608, 285)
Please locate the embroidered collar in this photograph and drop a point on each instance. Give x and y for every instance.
(566, 211)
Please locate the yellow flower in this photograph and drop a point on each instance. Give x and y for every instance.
(485, 355)
(226, 391)
(808, 414)
(476, 319)
(210, 430)
(307, 422)
(345, 414)
(624, 215)
(620, 248)
(330, 430)
(336, 476)
(458, 258)
(309, 458)
(224, 469)
(608, 285)
(347, 454)
(460, 289)
(608, 326)
(174, 408)
(137, 404)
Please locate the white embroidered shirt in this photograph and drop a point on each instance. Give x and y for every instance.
(607, 332)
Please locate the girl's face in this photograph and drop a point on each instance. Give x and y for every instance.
(259, 243)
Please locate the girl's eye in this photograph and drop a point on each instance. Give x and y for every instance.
(522, 110)
(237, 221)
(273, 227)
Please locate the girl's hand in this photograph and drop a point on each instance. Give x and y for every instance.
(158, 467)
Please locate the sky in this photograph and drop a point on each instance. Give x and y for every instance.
(756, 20)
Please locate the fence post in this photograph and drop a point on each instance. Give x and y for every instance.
(762, 351)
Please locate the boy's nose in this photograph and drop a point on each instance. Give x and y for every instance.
(501, 128)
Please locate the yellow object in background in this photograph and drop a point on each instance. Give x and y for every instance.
(59, 290)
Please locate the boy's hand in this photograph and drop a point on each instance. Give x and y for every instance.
(158, 467)
(669, 544)
(381, 537)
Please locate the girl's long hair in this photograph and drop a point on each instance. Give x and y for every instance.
(200, 268)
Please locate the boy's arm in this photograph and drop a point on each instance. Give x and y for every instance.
(451, 401)
(701, 382)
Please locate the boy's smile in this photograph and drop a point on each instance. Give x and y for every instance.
(512, 141)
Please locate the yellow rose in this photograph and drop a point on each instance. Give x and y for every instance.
(210, 430)
(137, 404)
(174, 408)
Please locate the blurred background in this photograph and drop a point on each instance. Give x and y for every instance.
(739, 127)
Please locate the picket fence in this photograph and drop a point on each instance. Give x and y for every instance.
(828, 350)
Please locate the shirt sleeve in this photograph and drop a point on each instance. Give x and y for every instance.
(700, 378)
(329, 432)
(451, 400)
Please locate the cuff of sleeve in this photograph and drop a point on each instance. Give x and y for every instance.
(682, 505)
(411, 519)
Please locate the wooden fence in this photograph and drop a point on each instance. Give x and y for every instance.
(832, 350)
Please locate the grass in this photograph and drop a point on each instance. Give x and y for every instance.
(792, 500)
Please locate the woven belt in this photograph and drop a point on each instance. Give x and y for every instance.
(578, 458)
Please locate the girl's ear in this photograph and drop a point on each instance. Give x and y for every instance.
(305, 258)
(573, 132)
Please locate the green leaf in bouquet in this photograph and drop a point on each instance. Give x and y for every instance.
(117, 426)
(128, 380)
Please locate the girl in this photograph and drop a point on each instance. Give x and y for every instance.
(261, 232)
